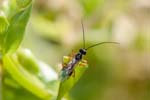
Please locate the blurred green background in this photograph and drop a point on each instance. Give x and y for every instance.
(116, 72)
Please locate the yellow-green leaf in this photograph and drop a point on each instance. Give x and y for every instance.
(16, 30)
(24, 78)
(66, 85)
(23, 3)
(3, 24)
(28, 60)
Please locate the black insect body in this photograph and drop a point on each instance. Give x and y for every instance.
(68, 69)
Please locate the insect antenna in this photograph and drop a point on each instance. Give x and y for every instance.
(83, 34)
(100, 44)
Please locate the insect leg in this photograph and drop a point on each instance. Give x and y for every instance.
(64, 65)
(72, 54)
(66, 60)
(82, 63)
(73, 73)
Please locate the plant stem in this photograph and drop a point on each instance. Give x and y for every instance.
(1, 77)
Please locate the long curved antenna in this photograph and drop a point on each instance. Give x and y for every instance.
(100, 44)
(83, 34)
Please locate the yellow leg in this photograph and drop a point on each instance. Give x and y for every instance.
(83, 63)
(72, 54)
(73, 73)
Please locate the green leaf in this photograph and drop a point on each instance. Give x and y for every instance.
(66, 85)
(28, 60)
(23, 3)
(24, 78)
(3, 23)
(3, 28)
(16, 30)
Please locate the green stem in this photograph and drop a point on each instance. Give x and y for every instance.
(1, 78)
(1, 40)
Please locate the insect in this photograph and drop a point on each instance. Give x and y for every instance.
(68, 69)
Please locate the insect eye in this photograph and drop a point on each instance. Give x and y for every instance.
(82, 51)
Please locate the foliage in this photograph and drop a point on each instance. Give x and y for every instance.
(53, 29)
(21, 70)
